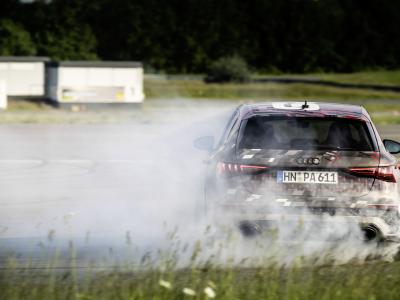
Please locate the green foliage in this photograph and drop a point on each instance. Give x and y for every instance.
(14, 39)
(228, 69)
(185, 36)
(68, 44)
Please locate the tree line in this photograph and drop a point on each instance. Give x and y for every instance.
(186, 36)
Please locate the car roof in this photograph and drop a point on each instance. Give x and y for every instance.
(317, 109)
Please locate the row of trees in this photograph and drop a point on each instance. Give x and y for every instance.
(185, 36)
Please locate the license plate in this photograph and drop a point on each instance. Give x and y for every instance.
(307, 177)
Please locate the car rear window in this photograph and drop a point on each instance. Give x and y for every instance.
(304, 133)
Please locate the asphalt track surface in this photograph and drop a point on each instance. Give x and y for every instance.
(103, 182)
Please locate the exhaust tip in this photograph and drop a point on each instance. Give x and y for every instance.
(371, 233)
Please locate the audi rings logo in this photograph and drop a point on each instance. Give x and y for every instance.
(308, 161)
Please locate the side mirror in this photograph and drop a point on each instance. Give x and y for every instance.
(392, 147)
(204, 143)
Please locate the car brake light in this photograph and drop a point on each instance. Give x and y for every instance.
(365, 172)
(380, 173)
(232, 168)
(391, 206)
(386, 174)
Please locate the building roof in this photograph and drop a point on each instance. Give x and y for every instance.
(24, 59)
(96, 64)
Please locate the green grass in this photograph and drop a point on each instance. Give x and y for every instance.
(370, 280)
(374, 77)
(21, 105)
(59, 117)
(382, 77)
(199, 89)
(383, 112)
(261, 270)
(383, 106)
(386, 119)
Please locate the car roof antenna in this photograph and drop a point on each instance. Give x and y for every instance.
(305, 105)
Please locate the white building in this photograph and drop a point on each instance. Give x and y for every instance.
(70, 82)
(23, 76)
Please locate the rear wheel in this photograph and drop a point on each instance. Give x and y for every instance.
(249, 229)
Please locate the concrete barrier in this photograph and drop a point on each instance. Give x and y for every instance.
(94, 82)
(3, 94)
(25, 75)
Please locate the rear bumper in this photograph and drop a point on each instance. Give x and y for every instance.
(380, 210)
(312, 219)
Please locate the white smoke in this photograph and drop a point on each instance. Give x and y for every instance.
(138, 198)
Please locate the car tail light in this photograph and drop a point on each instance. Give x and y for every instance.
(233, 169)
(390, 206)
(380, 173)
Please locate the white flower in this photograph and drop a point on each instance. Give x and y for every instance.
(165, 284)
(209, 292)
(189, 292)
